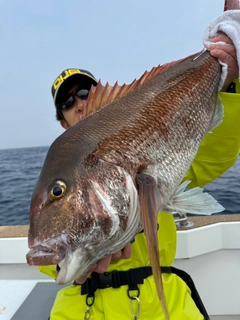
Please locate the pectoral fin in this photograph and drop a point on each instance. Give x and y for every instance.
(149, 204)
(193, 201)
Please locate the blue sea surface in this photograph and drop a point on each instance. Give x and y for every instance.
(19, 171)
(226, 189)
(20, 168)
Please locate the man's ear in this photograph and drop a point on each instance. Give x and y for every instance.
(64, 124)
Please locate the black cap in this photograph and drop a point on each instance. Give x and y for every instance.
(67, 79)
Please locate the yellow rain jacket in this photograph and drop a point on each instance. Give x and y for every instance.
(218, 152)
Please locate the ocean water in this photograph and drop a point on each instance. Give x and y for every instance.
(20, 168)
(19, 171)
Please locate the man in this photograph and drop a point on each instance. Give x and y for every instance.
(69, 92)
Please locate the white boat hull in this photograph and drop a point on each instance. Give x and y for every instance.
(210, 254)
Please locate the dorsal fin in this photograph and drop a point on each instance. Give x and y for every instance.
(101, 95)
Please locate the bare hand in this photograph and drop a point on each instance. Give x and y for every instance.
(227, 54)
(103, 264)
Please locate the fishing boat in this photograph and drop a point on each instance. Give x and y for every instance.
(208, 249)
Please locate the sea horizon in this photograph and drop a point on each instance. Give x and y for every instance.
(20, 168)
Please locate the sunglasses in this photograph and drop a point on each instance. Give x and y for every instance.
(81, 94)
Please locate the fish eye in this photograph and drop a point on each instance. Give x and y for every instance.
(58, 190)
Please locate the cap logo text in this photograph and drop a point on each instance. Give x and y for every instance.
(64, 76)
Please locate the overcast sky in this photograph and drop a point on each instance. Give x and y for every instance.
(115, 40)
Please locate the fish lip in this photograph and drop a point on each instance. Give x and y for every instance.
(49, 252)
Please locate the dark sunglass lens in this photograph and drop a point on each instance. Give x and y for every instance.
(68, 104)
(82, 94)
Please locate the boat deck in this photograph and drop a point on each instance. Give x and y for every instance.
(26, 299)
(201, 221)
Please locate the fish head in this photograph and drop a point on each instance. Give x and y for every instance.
(60, 224)
(81, 216)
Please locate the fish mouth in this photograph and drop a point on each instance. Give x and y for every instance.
(50, 252)
(57, 251)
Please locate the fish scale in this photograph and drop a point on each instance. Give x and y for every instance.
(156, 118)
